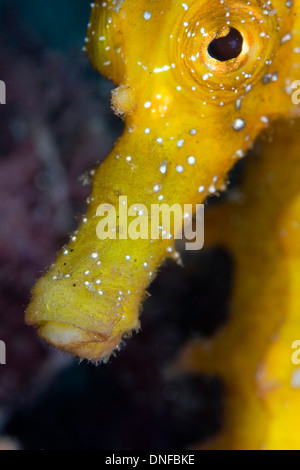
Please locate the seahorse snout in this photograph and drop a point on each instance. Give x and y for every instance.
(79, 308)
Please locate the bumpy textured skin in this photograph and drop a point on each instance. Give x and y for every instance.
(176, 102)
(260, 227)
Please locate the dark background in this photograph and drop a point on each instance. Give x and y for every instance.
(56, 124)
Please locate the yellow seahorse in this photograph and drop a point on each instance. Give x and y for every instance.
(197, 82)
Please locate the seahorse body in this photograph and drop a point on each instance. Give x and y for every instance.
(253, 354)
(188, 118)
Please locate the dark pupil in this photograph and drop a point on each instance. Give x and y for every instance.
(228, 47)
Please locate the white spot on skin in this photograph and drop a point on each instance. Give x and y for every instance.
(286, 38)
(163, 168)
(191, 160)
(179, 169)
(165, 68)
(240, 153)
(264, 119)
(239, 124)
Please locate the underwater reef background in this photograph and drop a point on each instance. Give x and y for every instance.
(56, 124)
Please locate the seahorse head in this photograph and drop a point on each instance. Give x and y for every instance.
(196, 83)
(219, 68)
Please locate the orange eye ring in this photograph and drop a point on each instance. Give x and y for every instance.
(215, 80)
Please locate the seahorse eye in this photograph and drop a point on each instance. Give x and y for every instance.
(221, 49)
(227, 47)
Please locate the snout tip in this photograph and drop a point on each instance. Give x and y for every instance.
(81, 343)
(80, 321)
